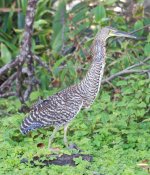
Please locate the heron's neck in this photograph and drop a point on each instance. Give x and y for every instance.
(90, 85)
(98, 50)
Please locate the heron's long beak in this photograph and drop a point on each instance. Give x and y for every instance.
(124, 34)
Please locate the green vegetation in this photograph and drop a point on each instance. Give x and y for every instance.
(116, 129)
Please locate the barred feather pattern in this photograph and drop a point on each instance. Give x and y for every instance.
(61, 108)
(56, 110)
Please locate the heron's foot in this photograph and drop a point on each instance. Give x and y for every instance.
(70, 146)
(73, 146)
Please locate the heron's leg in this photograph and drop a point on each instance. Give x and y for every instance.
(65, 135)
(52, 136)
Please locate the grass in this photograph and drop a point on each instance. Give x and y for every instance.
(115, 131)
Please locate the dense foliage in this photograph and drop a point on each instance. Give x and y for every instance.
(116, 129)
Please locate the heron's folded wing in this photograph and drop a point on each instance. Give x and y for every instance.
(57, 110)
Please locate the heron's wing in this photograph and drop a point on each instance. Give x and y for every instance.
(57, 110)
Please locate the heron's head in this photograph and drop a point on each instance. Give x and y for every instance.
(108, 32)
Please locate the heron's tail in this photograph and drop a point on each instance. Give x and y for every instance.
(30, 124)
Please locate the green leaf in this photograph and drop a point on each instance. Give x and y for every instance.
(110, 2)
(34, 95)
(59, 27)
(6, 41)
(99, 13)
(121, 83)
(79, 16)
(57, 42)
(104, 117)
(5, 54)
(78, 160)
(24, 6)
(147, 49)
(21, 20)
(142, 105)
(39, 23)
(105, 97)
(58, 63)
(138, 25)
(128, 91)
(71, 69)
(148, 38)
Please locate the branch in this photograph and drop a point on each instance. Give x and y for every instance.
(43, 64)
(26, 41)
(8, 82)
(10, 65)
(124, 72)
(30, 77)
(128, 70)
(138, 64)
(25, 51)
(147, 26)
(8, 94)
(25, 57)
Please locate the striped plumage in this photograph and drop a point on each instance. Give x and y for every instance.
(56, 110)
(59, 109)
